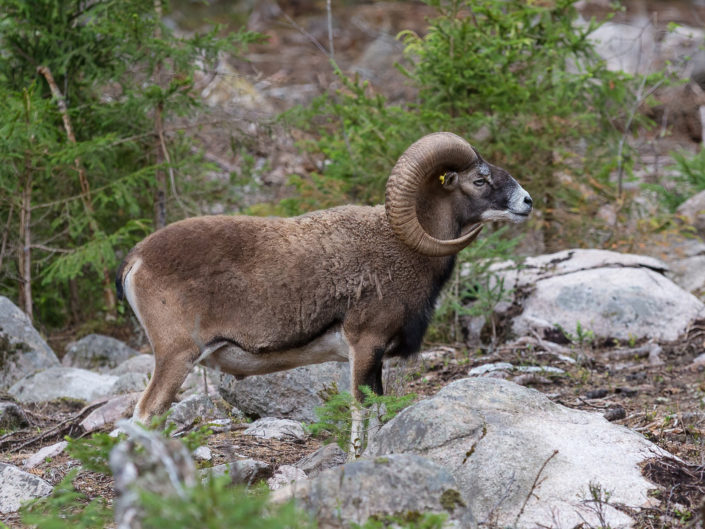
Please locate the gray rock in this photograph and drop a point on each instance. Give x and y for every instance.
(284, 476)
(241, 472)
(689, 273)
(46, 452)
(692, 211)
(137, 364)
(292, 394)
(272, 428)
(63, 382)
(112, 411)
(202, 453)
(399, 484)
(196, 408)
(150, 462)
(627, 47)
(489, 368)
(195, 384)
(611, 295)
(12, 417)
(497, 438)
(22, 350)
(97, 352)
(18, 487)
(129, 383)
(328, 456)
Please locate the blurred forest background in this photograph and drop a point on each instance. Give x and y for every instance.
(120, 116)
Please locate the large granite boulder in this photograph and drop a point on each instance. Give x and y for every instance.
(22, 350)
(608, 294)
(292, 394)
(520, 459)
(399, 485)
(97, 352)
(63, 382)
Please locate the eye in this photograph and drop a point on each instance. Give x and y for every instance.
(479, 182)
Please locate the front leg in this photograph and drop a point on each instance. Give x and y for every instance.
(366, 355)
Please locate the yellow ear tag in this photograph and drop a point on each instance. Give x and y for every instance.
(442, 178)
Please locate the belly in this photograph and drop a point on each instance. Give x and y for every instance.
(231, 359)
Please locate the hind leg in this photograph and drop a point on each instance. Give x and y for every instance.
(169, 373)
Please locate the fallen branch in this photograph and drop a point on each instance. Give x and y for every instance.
(65, 427)
(533, 487)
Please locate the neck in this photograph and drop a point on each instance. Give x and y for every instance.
(436, 216)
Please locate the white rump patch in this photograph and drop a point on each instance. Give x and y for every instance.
(130, 290)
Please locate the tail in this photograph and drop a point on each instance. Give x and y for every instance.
(119, 277)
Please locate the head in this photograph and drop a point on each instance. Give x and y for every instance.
(485, 192)
(447, 170)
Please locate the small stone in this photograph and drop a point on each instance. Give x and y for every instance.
(662, 400)
(615, 414)
(328, 456)
(46, 452)
(530, 378)
(627, 392)
(271, 428)
(19, 486)
(12, 417)
(596, 394)
(202, 453)
(699, 360)
(285, 475)
(488, 368)
(220, 425)
(540, 369)
(115, 409)
(194, 408)
(241, 472)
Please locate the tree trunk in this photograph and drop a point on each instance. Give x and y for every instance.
(160, 176)
(108, 293)
(24, 255)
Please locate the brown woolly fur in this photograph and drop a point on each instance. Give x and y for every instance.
(255, 295)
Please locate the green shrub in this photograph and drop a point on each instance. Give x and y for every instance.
(689, 179)
(215, 503)
(211, 503)
(475, 288)
(335, 416)
(518, 79)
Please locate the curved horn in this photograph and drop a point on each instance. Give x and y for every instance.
(428, 158)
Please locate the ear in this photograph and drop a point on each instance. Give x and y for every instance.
(449, 180)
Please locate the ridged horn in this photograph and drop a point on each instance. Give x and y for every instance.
(426, 159)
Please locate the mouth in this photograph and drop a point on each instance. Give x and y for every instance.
(517, 216)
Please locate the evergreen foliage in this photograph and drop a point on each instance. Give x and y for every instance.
(120, 75)
(521, 81)
(335, 416)
(211, 503)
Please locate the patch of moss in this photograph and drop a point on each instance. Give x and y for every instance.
(450, 499)
(8, 350)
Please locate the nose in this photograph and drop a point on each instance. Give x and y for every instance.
(528, 201)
